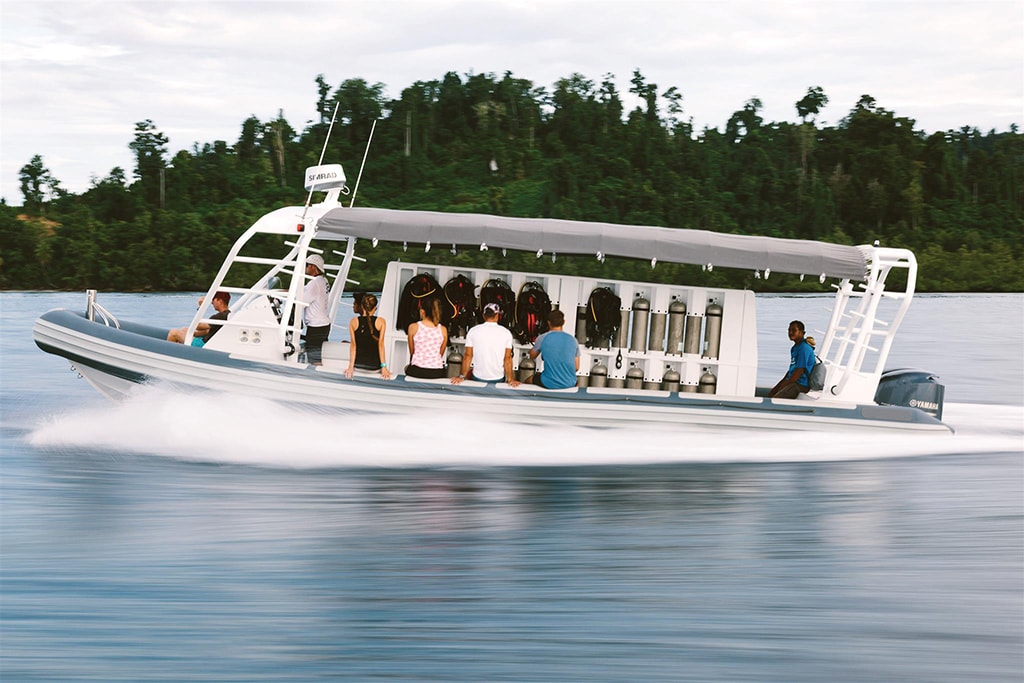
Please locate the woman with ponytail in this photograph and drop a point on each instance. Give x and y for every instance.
(428, 340)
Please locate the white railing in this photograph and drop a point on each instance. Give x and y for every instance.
(864, 322)
(93, 307)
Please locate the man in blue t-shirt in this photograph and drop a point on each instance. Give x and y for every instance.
(561, 355)
(801, 361)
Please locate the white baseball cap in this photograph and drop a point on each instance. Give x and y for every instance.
(316, 260)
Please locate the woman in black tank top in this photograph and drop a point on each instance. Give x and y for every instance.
(366, 332)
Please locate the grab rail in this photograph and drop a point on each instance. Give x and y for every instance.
(92, 308)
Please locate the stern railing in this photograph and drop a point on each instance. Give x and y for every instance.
(864, 322)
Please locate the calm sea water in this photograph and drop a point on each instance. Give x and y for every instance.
(173, 538)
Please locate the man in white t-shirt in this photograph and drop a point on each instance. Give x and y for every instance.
(316, 314)
(488, 351)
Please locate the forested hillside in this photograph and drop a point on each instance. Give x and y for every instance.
(482, 143)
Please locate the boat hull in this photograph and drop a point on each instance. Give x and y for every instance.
(115, 360)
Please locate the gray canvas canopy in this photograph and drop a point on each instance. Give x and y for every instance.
(674, 245)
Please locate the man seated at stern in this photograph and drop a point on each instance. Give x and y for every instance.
(801, 362)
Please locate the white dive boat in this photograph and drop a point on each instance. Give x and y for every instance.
(682, 356)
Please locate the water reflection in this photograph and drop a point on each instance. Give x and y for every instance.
(582, 572)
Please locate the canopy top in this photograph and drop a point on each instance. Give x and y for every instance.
(548, 235)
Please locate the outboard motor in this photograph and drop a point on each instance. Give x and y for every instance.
(911, 388)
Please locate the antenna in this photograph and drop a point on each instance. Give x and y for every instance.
(334, 117)
(352, 202)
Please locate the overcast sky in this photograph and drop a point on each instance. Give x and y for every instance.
(77, 75)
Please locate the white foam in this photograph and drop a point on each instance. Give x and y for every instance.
(251, 431)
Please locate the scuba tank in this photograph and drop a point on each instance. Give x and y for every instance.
(676, 322)
(656, 342)
(634, 378)
(622, 335)
(708, 382)
(581, 325)
(599, 375)
(454, 362)
(670, 380)
(641, 310)
(527, 366)
(712, 330)
(691, 344)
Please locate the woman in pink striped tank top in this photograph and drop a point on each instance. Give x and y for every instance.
(428, 340)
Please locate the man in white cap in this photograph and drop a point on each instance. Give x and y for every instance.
(488, 351)
(316, 314)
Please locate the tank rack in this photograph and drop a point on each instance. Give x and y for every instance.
(668, 337)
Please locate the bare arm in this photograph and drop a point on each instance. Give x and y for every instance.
(382, 327)
(352, 325)
(467, 359)
(412, 344)
(509, 372)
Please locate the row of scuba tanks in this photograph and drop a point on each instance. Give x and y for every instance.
(683, 333)
(673, 334)
(670, 380)
(599, 378)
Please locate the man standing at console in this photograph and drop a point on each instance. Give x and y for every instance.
(488, 351)
(316, 313)
(801, 361)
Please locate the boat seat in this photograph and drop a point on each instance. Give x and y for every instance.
(335, 354)
(421, 380)
(569, 390)
(474, 383)
(363, 373)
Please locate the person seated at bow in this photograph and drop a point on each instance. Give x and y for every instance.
(204, 331)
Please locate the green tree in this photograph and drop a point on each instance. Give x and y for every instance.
(811, 103)
(35, 180)
(572, 151)
(149, 147)
(324, 107)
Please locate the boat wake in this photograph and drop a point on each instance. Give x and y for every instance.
(257, 432)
